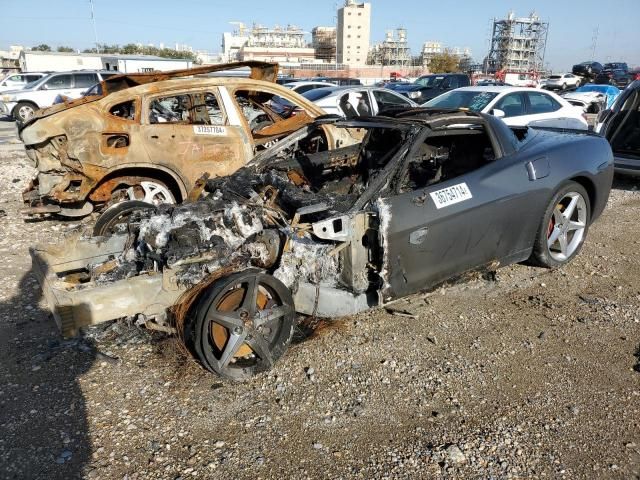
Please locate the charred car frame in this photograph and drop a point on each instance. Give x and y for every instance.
(151, 136)
(428, 195)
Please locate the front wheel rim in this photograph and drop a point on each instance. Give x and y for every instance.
(25, 112)
(567, 226)
(150, 192)
(243, 326)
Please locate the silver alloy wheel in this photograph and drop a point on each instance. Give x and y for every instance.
(152, 192)
(25, 112)
(567, 226)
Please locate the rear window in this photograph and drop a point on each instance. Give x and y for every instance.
(83, 80)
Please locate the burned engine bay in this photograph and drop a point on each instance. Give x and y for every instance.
(291, 215)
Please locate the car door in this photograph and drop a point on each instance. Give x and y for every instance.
(514, 107)
(485, 216)
(545, 111)
(622, 128)
(386, 99)
(189, 132)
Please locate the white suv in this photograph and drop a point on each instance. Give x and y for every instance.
(14, 81)
(21, 104)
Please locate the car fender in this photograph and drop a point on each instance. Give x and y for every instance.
(181, 182)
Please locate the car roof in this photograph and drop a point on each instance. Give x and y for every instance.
(305, 82)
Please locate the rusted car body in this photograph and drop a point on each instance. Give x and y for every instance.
(425, 197)
(151, 136)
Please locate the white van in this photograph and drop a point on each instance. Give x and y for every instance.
(21, 104)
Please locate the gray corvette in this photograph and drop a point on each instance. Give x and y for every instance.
(427, 196)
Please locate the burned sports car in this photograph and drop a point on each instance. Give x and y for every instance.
(151, 136)
(428, 195)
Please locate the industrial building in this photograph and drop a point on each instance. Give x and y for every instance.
(517, 44)
(431, 48)
(277, 44)
(394, 50)
(323, 41)
(37, 61)
(354, 32)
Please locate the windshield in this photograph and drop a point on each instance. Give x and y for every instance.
(475, 101)
(430, 81)
(317, 94)
(586, 63)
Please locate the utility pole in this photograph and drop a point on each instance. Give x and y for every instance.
(594, 42)
(95, 31)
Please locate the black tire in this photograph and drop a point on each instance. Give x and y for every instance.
(116, 214)
(21, 109)
(265, 344)
(543, 255)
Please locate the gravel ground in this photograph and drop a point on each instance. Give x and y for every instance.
(528, 374)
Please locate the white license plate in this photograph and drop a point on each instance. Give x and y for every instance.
(451, 195)
(209, 130)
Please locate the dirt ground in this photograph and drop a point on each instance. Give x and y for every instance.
(531, 374)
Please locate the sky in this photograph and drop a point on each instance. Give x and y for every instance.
(200, 23)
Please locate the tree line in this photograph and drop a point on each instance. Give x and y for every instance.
(128, 49)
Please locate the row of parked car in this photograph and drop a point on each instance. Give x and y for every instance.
(152, 145)
(612, 73)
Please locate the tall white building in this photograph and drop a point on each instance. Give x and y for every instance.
(354, 32)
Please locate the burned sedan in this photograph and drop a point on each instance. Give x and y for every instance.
(151, 136)
(428, 195)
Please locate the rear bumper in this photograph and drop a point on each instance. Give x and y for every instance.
(56, 201)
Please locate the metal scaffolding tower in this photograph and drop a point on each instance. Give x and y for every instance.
(518, 44)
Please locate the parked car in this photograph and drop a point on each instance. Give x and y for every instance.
(616, 66)
(489, 82)
(562, 81)
(151, 136)
(283, 107)
(350, 102)
(332, 234)
(22, 104)
(17, 81)
(587, 69)
(621, 127)
(341, 81)
(593, 98)
(618, 77)
(515, 105)
(429, 86)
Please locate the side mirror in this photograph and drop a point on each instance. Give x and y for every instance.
(496, 112)
(44, 87)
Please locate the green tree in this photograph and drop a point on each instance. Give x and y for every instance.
(43, 47)
(444, 62)
(65, 49)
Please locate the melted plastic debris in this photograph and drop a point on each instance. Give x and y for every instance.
(308, 261)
